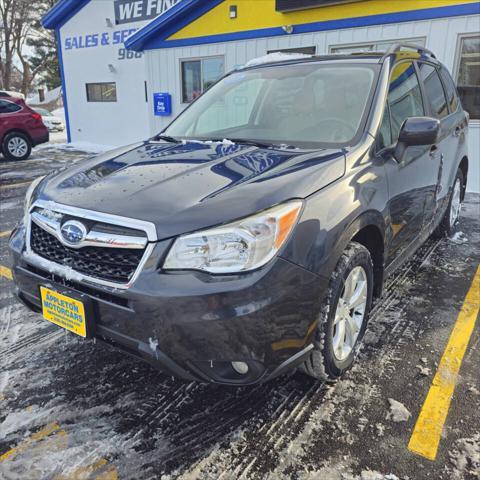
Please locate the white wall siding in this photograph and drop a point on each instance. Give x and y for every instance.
(109, 123)
(163, 66)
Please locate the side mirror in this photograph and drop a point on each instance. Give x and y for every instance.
(416, 131)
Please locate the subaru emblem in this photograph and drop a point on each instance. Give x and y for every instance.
(73, 232)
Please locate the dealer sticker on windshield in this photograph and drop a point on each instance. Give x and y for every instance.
(63, 311)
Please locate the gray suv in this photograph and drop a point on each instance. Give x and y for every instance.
(251, 235)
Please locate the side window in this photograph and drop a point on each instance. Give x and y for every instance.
(451, 89)
(434, 90)
(404, 97)
(8, 107)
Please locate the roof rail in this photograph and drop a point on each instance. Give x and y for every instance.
(396, 47)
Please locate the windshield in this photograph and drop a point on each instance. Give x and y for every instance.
(304, 105)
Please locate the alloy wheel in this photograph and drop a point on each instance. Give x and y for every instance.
(350, 313)
(17, 146)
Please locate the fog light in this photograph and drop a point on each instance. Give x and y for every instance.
(240, 367)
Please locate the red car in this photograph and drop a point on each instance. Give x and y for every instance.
(21, 128)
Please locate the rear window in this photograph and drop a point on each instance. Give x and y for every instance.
(9, 107)
(434, 90)
(450, 88)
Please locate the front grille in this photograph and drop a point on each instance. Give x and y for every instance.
(111, 264)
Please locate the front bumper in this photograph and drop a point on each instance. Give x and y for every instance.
(193, 325)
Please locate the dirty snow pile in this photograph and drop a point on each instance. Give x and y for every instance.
(398, 412)
(459, 238)
(276, 57)
(465, 457)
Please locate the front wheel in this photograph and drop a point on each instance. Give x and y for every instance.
(16, 146)
(343, 315)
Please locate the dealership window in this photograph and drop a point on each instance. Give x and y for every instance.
(199, 75)
(468, 74)
(101, 92)
(382, 46)
(434, 89)
(304, 50)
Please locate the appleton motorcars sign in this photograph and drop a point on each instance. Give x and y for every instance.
(127, 11)
(285, 5)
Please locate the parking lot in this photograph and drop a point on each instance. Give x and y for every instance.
(75, 409)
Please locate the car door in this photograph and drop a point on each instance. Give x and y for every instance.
(448, 144)
(452, 138)
(411, 181)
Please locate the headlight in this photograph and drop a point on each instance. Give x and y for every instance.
(28, 197)
(237, 247)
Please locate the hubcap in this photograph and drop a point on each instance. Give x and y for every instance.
(350, 313)
(17, 146)
(456, 203)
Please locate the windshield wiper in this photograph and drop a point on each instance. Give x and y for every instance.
(167, 138)
(245, 141)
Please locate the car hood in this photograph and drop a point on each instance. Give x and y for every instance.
(182, 187)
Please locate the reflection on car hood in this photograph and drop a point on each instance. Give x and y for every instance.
(186, 187)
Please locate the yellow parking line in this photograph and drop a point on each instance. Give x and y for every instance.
(6, 233)
(98, 470)
(6, 273)
(13, 185)
(53, 438)
(44, 432)
(428, 429)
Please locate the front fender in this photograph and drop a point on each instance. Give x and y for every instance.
(333, 216)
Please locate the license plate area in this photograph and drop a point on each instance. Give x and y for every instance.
(64, 310)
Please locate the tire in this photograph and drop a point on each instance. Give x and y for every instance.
(449, 221)
(327, 361)
(16, 146)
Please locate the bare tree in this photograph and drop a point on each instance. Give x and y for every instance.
(19, 23)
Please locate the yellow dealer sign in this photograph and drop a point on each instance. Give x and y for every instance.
(63, 311)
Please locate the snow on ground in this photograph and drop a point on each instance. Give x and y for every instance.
(79, 146)
(398, 412)
(465, 457)
(108, 412)
(59, 112)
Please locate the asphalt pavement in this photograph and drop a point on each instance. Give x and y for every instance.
(75, 409)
